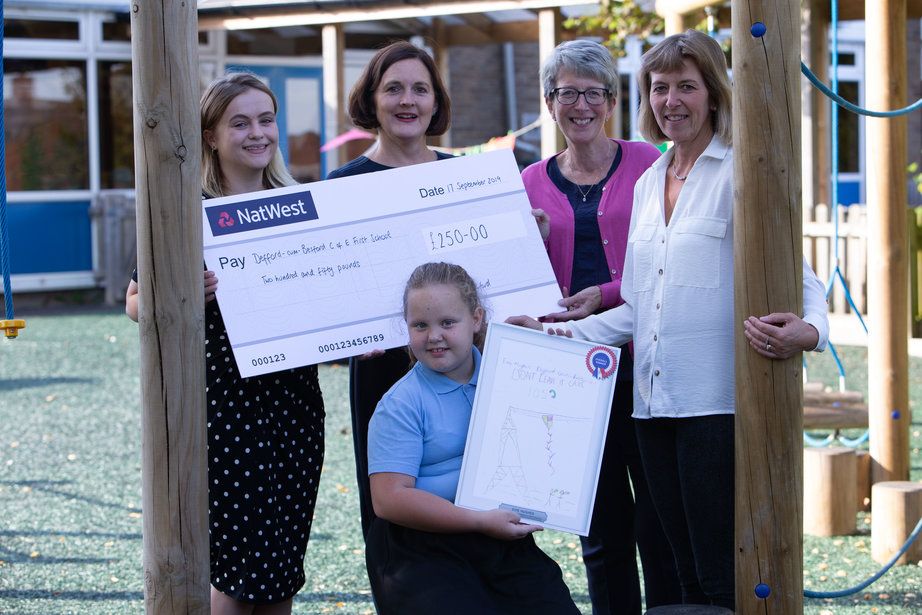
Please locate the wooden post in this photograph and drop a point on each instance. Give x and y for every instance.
(888, 242)
(767, 277)
(440, 54)
(817, 138)
(548, 38)
(164, 44)
(830, 483)
(333, 43)
(863, 480)
(896, 507)
(674, 23)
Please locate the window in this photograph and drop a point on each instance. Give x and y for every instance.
(116, 141)
(846, 58)
(849, 151)
(273, 42)
(44, 102)
(42, 29)
(119, 31)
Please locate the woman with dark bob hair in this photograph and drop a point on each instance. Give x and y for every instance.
(401, 95)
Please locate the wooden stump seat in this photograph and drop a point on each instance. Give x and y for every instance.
(896, 507)
(830, 485)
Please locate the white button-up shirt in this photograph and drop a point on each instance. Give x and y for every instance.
(678, 293)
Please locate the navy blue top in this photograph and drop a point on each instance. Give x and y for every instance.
(589, 264)
(364, 164)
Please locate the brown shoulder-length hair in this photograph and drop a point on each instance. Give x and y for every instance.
(666, 57)
(215, 100)
(362, 98)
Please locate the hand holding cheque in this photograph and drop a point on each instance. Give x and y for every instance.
(315, 272)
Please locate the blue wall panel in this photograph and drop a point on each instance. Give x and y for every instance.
(50, 237)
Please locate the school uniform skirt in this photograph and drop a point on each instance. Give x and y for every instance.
(421, 572)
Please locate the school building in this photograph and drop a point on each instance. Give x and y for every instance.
(68, 103)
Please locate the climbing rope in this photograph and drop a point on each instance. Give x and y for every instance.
(857, 588)
(851, 106)
(10, 326)
(836, 275)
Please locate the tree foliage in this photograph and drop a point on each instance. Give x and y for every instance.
(616, 21)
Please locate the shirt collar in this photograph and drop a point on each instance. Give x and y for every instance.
(716, 149)
(442, 384)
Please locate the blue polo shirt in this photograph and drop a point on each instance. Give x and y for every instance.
(420, 426)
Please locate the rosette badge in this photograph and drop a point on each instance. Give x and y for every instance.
(601, 362)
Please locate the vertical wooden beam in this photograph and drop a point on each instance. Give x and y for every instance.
(674, 23)
(816, 166)
(440, 53)
(168, 184)
(767, 278)
(548, 38)
(332, 43)
(888, 241)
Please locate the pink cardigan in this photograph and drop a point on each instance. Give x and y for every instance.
(614, 215)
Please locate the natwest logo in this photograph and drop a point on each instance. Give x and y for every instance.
(259, 213)
(225, 220)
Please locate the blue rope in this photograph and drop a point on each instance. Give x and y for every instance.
(4, 235)
(857, 588)
(834, 197)
(818, 442)
(852, 107)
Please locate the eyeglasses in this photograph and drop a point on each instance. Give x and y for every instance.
(569, 96)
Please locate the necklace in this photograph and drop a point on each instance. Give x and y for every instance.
(586, 194)
(681, 178)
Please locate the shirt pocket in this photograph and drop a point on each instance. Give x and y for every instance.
(642, 250)
(695, 252)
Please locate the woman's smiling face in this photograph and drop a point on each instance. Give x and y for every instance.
(246, 137)
(580, 122)
(682, 105)
(405, 100)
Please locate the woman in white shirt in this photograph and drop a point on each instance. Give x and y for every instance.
(678, 293)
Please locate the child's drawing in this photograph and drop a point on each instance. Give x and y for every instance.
(537, 461)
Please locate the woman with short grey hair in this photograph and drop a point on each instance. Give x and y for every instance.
(582, 198)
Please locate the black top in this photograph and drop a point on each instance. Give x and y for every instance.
(590, 266)
(364, 164)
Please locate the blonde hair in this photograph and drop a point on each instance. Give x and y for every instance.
(431, 274)
(217, 97)
(666, 57)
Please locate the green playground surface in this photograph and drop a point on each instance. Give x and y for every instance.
(70, 485)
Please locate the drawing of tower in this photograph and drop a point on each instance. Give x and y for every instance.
(510, 460)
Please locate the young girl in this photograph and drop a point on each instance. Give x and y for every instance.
(424, 554)
(265, 433)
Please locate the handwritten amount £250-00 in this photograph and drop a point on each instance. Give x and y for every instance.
(455, 236)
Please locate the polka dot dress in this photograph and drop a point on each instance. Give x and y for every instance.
(265, 452)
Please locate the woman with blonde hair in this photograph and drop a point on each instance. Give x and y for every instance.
(678, 309)
(265, 433)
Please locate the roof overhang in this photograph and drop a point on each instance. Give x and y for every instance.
(248, 14)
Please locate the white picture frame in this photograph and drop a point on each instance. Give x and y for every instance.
(538, 426)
